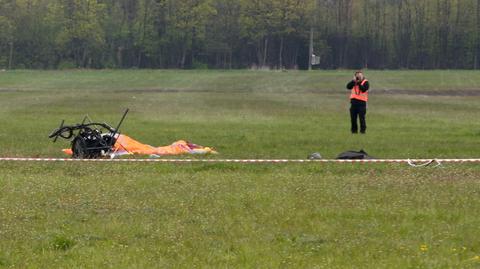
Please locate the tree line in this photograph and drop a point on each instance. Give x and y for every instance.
(417, 34)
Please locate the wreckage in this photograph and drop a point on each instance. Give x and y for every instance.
(90, 140)
(93, 140)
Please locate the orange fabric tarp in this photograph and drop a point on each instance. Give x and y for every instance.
(127, 145)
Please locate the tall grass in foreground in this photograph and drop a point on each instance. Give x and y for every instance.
(298, 216)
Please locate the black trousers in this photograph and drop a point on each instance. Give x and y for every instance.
(358, 110)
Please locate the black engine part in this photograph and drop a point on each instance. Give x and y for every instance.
(89, 140)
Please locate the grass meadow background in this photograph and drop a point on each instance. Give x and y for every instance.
(234, 215)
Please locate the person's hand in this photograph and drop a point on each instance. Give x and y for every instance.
(354, 78)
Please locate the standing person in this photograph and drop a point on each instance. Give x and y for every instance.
(358, 99)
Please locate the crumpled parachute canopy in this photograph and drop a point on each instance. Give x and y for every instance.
(127, 145)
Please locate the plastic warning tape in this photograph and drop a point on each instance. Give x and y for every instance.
(243, 160)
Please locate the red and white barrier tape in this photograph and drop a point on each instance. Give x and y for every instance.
(409, 161)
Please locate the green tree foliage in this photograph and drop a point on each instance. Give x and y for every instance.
(6, 40)
(186, 27)
(80, 34)
(421, 34)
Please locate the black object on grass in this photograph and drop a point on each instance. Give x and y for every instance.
(354, 155)
(90, 140)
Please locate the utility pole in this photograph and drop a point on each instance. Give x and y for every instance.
(310, 45)
(310, 50)
(477, 37)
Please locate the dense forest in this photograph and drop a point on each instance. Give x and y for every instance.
(419, 34)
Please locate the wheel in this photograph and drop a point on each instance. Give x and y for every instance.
(79, 148)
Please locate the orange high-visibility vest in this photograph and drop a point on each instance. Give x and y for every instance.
(358, 94)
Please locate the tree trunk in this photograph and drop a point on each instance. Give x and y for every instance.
(144, 30)
(10, 58)
(444, 34)
(259, 52)
(184, 55)
(139, 59)
(120, 57)
(295, 58)
(366, 38)
(265, 51)
(194, 44)
(384, 36)
(84, 58)
(280, 54)
(454, 50)
(225, 57)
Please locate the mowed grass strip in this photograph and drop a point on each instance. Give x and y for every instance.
(235, 80)
(246, 114)
(331, 216)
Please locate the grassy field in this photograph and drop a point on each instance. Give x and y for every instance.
(232, 215)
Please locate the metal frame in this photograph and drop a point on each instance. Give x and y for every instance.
(84, 135)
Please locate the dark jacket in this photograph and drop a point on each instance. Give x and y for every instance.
(363, 88)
